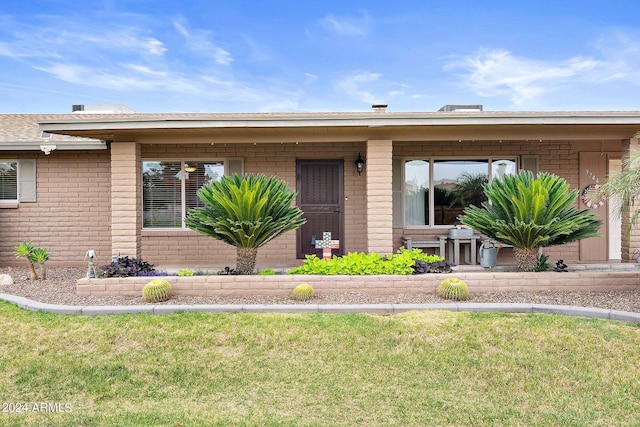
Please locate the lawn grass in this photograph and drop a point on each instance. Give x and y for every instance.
(418, 368)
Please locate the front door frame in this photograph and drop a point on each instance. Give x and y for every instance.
(333, 208)
(593, 172)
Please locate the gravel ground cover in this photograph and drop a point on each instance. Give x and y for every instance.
(60, 288)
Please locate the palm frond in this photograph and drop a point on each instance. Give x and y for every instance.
(528, 212)
(245, 211)
(623, 190)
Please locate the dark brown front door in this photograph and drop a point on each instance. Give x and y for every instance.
(320, 196)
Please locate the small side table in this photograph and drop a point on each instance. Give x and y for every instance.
(471, 251)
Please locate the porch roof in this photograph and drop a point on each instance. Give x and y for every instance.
(467, 125)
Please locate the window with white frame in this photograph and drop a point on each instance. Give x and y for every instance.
(17, 181)
(170, 187)
(436, 191)
(8, 181)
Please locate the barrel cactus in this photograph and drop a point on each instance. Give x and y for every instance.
(454, 289)
(302, 292)
(157, 290)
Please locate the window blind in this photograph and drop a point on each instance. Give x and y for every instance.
(198, 174)
(162, 194)
(8, 180)
(170, 189)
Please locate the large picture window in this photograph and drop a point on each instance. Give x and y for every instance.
(436, 191)
(170, 189)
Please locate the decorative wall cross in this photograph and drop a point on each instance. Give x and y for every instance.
(326, 244)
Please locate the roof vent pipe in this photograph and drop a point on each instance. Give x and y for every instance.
(379, 108)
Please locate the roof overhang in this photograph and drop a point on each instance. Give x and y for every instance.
(59, 145)
(438, 125)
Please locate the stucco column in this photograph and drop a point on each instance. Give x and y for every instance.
(378, 172)
(125, 199)
(630, 242)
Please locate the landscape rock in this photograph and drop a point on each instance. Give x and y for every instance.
(6, 280)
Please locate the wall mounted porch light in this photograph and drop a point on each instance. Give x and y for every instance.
(359, 163)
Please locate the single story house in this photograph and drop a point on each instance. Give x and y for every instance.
(119, 182)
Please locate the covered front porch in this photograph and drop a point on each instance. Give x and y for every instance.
(371, 206)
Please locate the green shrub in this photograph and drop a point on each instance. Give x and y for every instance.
(34, 256)
(185, 271)
(127, 267)
(302, 292)
(40, 256)
(203, 273)
(157, 290)
(267, 272)
(358, 263)
(455, 289)
(543, 263)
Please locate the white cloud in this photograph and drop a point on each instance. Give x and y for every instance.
(261, 96)
(181, 29)
(126, 77)
(620, 51)
(103, 59)
(613, 60)
(53, 42)
(115, 57)
(258, 53)
(122, 39)
(372, 88)
(499, 73)
(153, 46)
(355, 85)
(347, 26)
(143, 69)
(18, 50)
(310, 78)
(199, 41)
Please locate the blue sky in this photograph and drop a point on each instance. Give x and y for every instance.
(305, 56)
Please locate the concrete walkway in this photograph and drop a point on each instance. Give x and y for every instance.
(381, 309)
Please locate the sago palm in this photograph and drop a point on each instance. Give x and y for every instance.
(531, 213)
(246, 212)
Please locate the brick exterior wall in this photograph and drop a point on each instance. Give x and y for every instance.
(189, 248)
(379, 196)
(75, 195)
(72, 213)
(126, 201)
(282, 285)
(557, 157)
